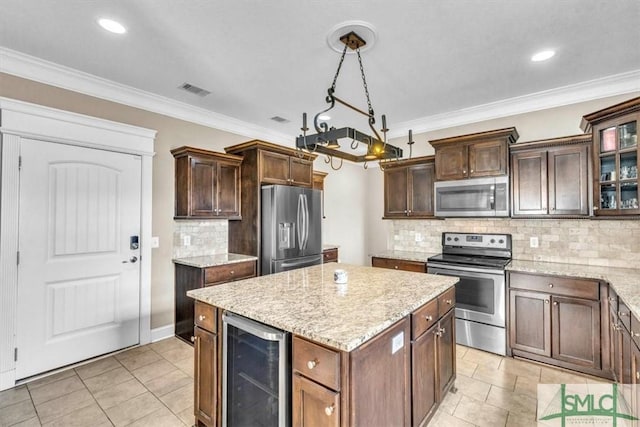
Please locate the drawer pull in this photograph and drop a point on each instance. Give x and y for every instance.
(202, 317)
(429, 318)
(232, 272)
(551, 285)
(312, 363)
(622, 313)
(635, 334)
(329, 410)
(395, 266)
(448, 301)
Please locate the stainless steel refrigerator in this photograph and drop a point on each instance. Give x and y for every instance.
(291, 228)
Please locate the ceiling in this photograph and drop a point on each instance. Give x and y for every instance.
(261, 59)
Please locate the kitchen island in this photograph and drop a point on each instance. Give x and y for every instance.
(379, 350)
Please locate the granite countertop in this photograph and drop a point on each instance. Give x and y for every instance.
(214, 260)
(308, 303)
(405, 255)
(625, 281)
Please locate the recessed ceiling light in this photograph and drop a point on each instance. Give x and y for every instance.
(324, 117)
(111, 25)
(543, 55)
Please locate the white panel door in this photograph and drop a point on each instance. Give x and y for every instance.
(78, 277)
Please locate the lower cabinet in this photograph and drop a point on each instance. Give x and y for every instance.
(399, 264)
(206, 400)
(559, 320)
(330, 255)
(314, 404)
(433, 361)
(188, 278)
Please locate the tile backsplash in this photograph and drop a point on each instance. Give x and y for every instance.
(204, 237)
(613, 243)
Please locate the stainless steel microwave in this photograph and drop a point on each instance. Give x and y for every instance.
(474, 197)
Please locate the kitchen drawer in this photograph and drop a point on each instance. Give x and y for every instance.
(624, 314)
(316, 362)
(205, 316)
(446, 301)
(229, 272)
(398, 264)
(330, 255)
(565, 286)
(423, 318)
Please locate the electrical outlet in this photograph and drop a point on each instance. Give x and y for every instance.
(155, 242)
(418, 237)
(186, 240)
(533, 242)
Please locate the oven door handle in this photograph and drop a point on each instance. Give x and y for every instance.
(452, 270)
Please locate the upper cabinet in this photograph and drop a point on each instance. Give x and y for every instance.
(615, 158)
(549, 177)
(408, 187)
(207, 184)
(474, 155)
(284, 169)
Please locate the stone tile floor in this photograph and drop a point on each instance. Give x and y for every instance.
(152, 385)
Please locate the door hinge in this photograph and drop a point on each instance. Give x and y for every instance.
(19, 162)
(18, 258)
(15, 354)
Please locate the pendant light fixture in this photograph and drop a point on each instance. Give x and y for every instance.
(325, 140)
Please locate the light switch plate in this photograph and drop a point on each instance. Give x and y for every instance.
(397, 342)
(155, 242)
(533, 242)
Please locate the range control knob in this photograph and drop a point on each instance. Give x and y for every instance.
(448, 239)
(493, 240)
(456, 239)
(501, 241)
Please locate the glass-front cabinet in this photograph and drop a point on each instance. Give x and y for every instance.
(615, 167)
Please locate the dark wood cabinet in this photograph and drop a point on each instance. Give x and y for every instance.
(474, 155)
(285, 169)
(433, 358)
(206, 398)
(207, 184)
(263, 163)
(615, 158)
(543, 313)
(314, 405)
(399, 264)
(550, 177)
(188, 277)
(330, 255)
(408, 187)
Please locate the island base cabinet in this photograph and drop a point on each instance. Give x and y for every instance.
(433, 358)
(206, 379)
(314, 405)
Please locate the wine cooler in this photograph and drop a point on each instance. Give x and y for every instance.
(256, 380)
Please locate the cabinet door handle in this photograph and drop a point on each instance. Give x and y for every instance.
(471, 171)
(329, 410)
(202, 317)
(193, 339)
(312, 363)
(429, 318)
(442, 331)
(622, 313)
(551, 285)
(448, 301)
(612, 299)
(555, 303)
(635, 334)
(395, 266)
(546, 301)
(637, 375)
(232, 272)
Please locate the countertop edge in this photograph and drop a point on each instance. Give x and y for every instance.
(193, 261)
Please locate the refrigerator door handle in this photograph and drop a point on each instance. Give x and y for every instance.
(299, 222)
(305, 221)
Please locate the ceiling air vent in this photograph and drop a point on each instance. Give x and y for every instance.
(279, 119)
(194, 89)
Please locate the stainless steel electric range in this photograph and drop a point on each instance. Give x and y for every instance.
(479, 260)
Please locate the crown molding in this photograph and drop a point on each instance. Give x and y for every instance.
(617, 84)
(42, 71)
(33, 68)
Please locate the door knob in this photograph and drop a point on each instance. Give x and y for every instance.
(132, 260)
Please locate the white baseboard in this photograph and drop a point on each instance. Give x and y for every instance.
(7, 379)
(162, 332)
